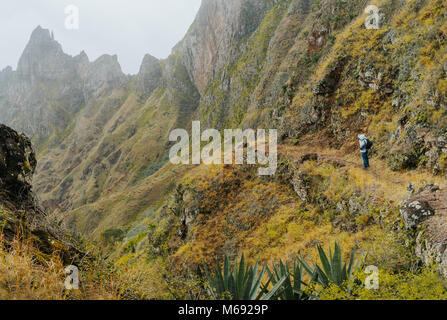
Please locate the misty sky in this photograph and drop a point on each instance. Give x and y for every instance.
(128, 28)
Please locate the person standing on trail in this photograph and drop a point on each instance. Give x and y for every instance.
(365, 145)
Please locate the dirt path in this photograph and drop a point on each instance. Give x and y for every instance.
(378, 176)
(300, 155)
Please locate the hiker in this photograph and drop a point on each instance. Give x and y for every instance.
(365, 145)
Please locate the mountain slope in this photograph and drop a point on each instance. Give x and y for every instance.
(118, 136)
(308, 68)
(20, 214)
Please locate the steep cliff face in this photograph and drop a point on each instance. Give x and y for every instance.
(101, 75)
(43, 58)
(119, 136)
(308, 68)
(214, 37)
(20, 215)
(50, 87)
(44, 87)
(388, 83)
(150, 75)
(5, 78)
(117, 139)
(250, 90)
(17, 165)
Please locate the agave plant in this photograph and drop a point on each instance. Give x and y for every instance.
(332, 270)
(242, 282)
(292, 287)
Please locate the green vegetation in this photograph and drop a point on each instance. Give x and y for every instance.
(333, 281)
(333, 271)
(317, 75)
(293, 287)
(242, 282)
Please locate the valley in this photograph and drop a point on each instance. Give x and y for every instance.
(309, 69)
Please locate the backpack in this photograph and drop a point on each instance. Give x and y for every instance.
(369, 144)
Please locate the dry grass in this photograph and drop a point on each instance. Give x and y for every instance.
(291, 227)
(379, 176)
(22, 277)
(26, 274)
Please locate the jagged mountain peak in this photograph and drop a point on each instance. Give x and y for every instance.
(148, 59)
(105, 70)
(82, 56)
(149, 75)
(107, 59)
(7, 69)
(43, 56)
(210, 41)
(41, 35)
(82, 61)
(108, 66)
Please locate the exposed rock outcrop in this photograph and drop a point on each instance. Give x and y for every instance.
(5, 77)
(426, 213)
(17, 165)
(149, 76)
(43, 58)
(185, 204)
(50, 86)
(20, 215)
(210, 42)
(415, 212)
(102, 74)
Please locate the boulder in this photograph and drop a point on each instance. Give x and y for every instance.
(426, 213)
(17, 164)
(19, 212)
(414, 212)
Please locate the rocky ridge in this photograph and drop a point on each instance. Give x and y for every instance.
(20, 215)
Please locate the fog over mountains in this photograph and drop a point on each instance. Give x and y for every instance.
(129, 29)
